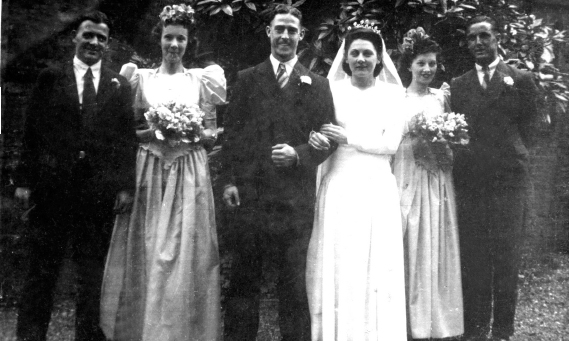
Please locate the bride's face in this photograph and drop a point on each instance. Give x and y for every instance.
(423, 68)
(173, 42)
(362, 58)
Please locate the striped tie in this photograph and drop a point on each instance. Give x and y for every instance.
(486, 82)
(282, 77)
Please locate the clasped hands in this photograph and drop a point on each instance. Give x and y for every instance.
(282, 156)
(328, 132)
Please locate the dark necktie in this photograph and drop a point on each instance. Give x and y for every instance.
(282, 77)
(89, 107)
(486, 71)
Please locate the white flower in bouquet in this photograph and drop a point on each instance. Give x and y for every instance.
(176, 122)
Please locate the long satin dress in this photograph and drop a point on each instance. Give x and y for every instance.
(355, 276)
(162, 274)
(432, 258)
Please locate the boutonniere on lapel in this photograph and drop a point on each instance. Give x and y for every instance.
(305, 80)
(115, 83)
(509, 81)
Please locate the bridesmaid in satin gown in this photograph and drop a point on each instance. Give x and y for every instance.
(432, 259)
(162, 274)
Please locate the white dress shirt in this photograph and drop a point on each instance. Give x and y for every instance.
(491, 67)
(80, 68)
(288, 65)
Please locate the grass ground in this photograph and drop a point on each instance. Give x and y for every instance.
(542, 314)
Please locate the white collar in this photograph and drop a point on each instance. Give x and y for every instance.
(491, 66)
(79, 65)
(289, 65)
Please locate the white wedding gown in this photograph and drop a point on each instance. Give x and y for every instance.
(355, 267)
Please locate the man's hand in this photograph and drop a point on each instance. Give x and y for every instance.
(22, 197)
(123, 203)
(231, 196)
(284, 155)
(319, 141)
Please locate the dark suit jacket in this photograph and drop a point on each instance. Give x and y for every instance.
(56, 133)
(261, 115)
(500, 124)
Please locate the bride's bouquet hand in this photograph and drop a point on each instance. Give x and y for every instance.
(318, 141)
(334, 133)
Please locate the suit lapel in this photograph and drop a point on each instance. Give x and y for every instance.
(105, 88)
(267, 80)
(497, 86)
(297, 71)
(476, 93)
(70, 87)
(474, 83)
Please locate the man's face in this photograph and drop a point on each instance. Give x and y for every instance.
(483, 43)
(91, 41)
(285, 33)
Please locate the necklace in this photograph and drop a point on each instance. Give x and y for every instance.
(417, 94)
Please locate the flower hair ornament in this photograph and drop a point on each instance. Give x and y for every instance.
(365, 24)
(177, 13)
(412, 37)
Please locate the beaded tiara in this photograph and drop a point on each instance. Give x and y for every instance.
(365, 24)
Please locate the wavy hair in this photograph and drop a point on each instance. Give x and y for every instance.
(363, 34)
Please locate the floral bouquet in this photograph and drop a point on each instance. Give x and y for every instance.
(445, 127)
(176, 123)
(433, 135)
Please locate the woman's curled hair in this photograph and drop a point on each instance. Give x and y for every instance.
(411, 51)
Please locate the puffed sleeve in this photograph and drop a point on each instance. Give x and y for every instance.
(212, 93)
(445, 95)
(131, 72)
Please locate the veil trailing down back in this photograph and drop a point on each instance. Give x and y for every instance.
(355, 271)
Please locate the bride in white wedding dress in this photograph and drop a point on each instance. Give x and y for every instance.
(355, 276)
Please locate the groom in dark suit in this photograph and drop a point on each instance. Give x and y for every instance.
(492, 179)
(78, 167)
(270, 173)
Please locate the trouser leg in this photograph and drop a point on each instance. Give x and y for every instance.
(475, 261)
(90, 277)
(90, 245)
(507, 239)
(242, 300)
(47, 247)
(294, 315)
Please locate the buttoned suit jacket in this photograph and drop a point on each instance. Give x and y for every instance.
(500, 120)
(56, 136)
(261, 115)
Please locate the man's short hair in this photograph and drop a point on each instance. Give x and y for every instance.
(286, 9)
(484, 19)
(95, 16)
